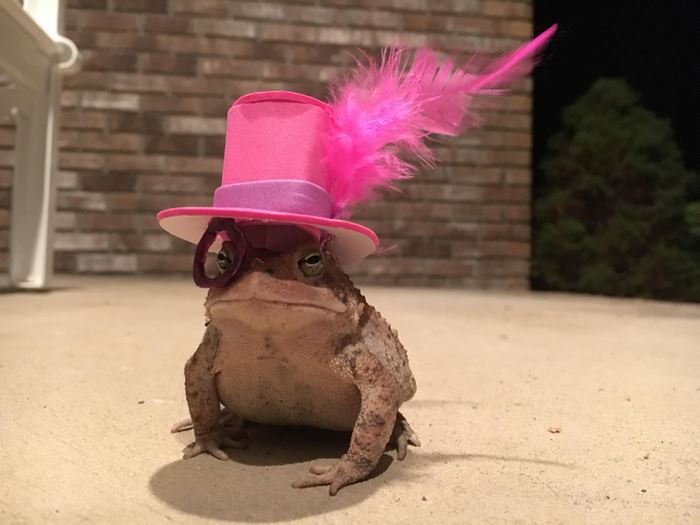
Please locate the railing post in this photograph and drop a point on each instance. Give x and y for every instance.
(34, 65)
(34, 187)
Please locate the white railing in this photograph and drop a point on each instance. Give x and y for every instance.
(33, 55)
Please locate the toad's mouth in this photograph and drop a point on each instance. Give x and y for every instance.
(278, 303)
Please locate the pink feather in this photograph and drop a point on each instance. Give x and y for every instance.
(384, 112)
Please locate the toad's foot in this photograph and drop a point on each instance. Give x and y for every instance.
(345, 472)
(228, 420)
(402, 436)
(211, 442)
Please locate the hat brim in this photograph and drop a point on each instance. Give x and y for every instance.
(351, 242)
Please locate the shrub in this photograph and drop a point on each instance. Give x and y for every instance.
(613, 217)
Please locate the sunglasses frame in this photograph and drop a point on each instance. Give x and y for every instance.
(235, 236)
(241, 247)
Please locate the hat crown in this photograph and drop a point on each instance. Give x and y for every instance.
(275, 172)
(275, 135)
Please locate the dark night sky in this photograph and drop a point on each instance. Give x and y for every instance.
(654, 45)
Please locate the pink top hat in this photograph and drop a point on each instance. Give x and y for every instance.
(293, 160)
(274, 172)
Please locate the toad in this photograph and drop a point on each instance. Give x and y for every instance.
(291, 341)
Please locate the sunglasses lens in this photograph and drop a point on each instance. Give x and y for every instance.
(214, 270)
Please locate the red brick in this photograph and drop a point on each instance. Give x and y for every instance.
(455, 6)
(504, 248)
(504, 231)
(85, 80)
(69, 99)
(137, 83)
(179, 145)
(160, 103)
(521, 28)
(169, 184)
(150, 6)
(82, 200)
(516, 103)
(177, 43)
(106, 100)
(298, 33)
(199, 8)
(222, 67)
(167, 24)
(121, 162)
(295, 53)
(512, 121)
(107, 61)
(506, 9)
(137, 122)
(506, 194)
(91, 141)
(123, 202)
(6, 177)
(106, 221)
(5, 198)
(75, 119)
(517, 177)
(101, 20)
(81, 242)
(195, 125)
(7, 137)
(514, 158)
(197, 86)
(114, 40)
(472, 25)
(87, 4)
(195, 165)
(67, 180)
(64, 262)
(258, 10)
(140, 242)
(517, 213)
(80, 161)
(490, 212)
(106, 263)
(109, 181)
(66, 220)
(169, 63)
(224, 27)
(503, 139)
(213, 146)
(283, 72)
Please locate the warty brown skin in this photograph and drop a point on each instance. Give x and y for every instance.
(285, 348)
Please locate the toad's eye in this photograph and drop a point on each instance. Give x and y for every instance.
(311, 264)
(223, 260)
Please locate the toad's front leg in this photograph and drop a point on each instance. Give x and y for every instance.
(203, 400)
(380, 396)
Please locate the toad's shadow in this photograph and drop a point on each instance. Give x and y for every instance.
(256, 485)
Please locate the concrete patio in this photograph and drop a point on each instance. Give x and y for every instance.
(531, 408)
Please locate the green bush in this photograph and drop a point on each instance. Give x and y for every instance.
(692, 215)
(614, 215)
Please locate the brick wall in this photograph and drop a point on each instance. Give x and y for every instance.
(143, 126)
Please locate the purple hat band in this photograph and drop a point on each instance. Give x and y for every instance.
(283, 196)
